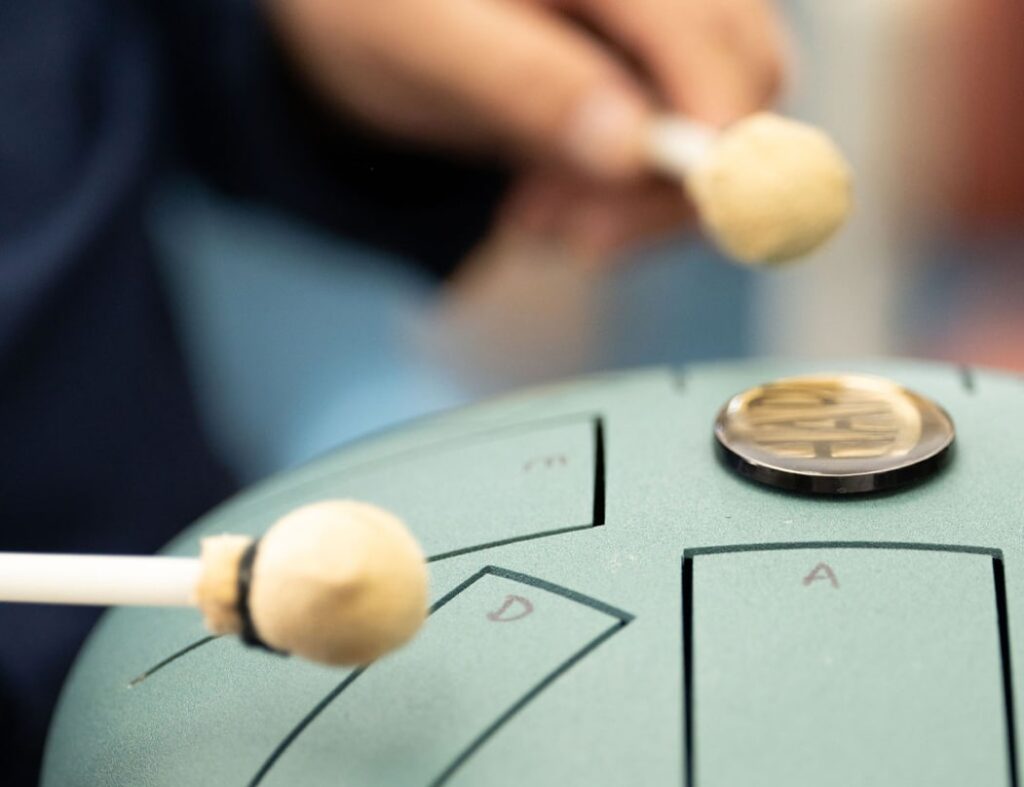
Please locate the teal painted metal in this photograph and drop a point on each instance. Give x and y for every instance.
(611, 606)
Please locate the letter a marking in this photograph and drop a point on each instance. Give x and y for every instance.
(820, 572)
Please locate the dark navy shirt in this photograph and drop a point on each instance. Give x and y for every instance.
(100, 447)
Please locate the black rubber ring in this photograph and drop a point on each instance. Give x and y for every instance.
(249, 635)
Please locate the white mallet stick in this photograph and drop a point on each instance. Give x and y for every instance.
(678, 146)
(100, 580)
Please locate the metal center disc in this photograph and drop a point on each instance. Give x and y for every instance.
(833, 434)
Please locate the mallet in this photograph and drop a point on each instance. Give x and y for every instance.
(338, 581)
(768, 189)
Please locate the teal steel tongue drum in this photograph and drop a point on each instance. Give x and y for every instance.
(759, 573)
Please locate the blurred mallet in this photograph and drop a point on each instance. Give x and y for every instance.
(768, 189)
(338, 582)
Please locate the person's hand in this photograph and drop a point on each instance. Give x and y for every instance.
(565, 88)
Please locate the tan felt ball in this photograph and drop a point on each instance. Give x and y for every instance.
(771, 189)
(339, 582)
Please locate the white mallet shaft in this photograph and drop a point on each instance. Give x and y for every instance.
(100, 580)
(677, 146)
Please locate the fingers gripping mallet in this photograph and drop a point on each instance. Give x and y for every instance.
(339, 582)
